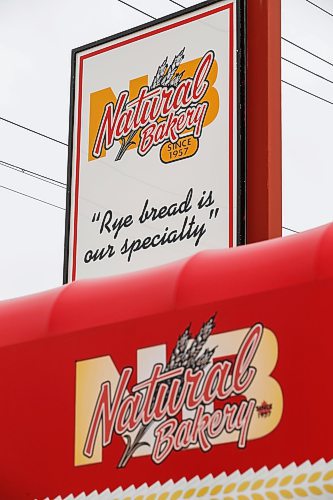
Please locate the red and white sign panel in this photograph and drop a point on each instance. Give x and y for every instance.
(154, 144)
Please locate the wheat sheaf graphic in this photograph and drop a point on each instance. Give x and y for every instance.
(290, 484)
(189, 352)
(166, 76)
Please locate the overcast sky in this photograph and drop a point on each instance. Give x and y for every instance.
(36, 38)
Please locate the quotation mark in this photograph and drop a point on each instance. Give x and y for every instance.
(213, 213)
(96, 217)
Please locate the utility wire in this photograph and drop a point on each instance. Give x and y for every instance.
(318, 7)
(53, 181)
(288, 229)
(283, 38)
(33, 131)
(176, 3)
(32, 197)
(306, 69)
(289, 41)
(135, 8)
(152, 17)
(307, 51)
(307, 92)
(303, 90)
(35, 175)
(287, 60)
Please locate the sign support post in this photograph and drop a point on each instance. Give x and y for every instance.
(264, 156)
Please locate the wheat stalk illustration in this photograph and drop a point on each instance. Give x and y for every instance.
(189, 352)
(166, 76)
(316, 482)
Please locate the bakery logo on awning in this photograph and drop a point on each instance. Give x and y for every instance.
(169, 112)
(205, 395)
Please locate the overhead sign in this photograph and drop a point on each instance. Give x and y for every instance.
(156, 162)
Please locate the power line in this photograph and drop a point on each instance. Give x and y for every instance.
(307, 51)
(60, 184)
(135, 8)
(288, 229)
(35, 175)
(33, 131)
(176, 3)
(306, 69)
(283, 38)
(307, 92)
(318, 7)
(32, 197)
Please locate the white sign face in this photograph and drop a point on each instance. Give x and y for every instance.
(154, 144)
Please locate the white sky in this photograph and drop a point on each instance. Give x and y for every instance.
(36, 38)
